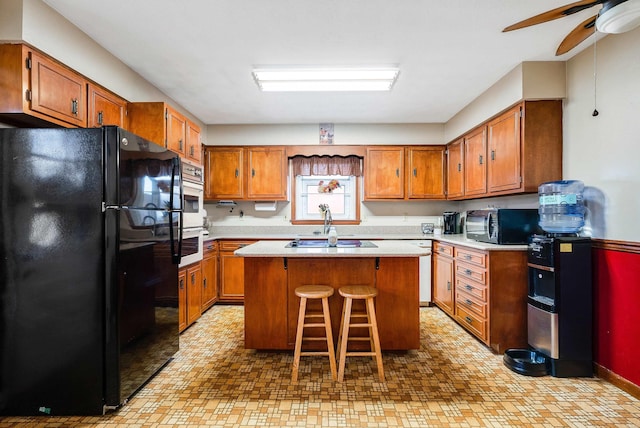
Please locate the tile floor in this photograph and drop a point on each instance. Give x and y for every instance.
(452, 380)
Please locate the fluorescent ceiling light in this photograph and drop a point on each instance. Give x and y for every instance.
(330, 79)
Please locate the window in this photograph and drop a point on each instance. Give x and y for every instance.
(330, 180)
(337, 191)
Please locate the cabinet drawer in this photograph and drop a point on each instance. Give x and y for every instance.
(468, 271)
(444, 249)
(472, 322)
(474, 289)
(210, 247)
(471, 304)
(234, 245)
(472, 257)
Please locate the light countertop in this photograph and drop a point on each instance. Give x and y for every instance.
(385, 248)
(459, 239)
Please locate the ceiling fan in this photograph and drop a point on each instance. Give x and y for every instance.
(615, 16)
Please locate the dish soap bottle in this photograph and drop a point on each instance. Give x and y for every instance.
(332, 237)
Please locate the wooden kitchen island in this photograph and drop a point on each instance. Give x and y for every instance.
(272, 272)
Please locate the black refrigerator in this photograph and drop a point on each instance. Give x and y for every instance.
(90, 236)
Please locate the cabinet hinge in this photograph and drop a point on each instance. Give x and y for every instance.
(28, 63)
(521, 113)
(520, 179)
(27, 94)
(446, 152)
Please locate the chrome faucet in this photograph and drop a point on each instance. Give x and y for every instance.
(327, 217)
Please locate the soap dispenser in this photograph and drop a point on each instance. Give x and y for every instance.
(332, 237)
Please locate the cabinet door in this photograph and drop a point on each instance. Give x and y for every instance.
(57, 91)
(455, 169)
(475, 162)
(193, 148)
(194, 293)
(426, 169)
(209, 281)
(223, 173)
(266, 173)
(231, 277)
(443, 283)
(384, 173)
(176, 131)
(504, 152)
(182, 299)
(105, 108)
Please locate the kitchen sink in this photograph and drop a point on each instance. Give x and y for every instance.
(322, 243)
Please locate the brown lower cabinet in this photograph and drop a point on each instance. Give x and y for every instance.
(484, 291)
(189, 294)
(231, 272)
(271, 306)
(209, 274)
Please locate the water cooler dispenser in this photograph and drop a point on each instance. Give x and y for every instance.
(559, 302)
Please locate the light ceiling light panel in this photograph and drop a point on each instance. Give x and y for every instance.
(319, 79)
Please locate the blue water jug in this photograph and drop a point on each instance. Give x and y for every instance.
(561, 206)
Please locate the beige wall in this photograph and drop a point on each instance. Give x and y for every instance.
(308, 134)
(604, 151)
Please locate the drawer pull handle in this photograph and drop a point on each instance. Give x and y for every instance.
(468, 302)
(468, 257)
(468, 287)
(468, 319)
(467, 272)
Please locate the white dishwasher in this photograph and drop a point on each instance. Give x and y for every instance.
(425, 272)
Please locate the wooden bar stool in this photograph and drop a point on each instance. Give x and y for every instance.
(350, 293)
(314, 292)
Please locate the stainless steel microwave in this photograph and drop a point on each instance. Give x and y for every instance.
(502, 225)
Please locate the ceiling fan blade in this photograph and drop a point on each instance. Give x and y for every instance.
(554, 14)
(578, 35)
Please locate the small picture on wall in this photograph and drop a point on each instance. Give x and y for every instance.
(326, 133)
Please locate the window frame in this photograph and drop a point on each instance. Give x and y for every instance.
(294, 202)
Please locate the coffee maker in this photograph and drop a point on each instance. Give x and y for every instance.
(451, 222)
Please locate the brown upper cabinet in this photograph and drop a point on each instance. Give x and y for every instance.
(475, 167)
(256, 173)
(455, 169)
(39, 91)
(426, 172)
(105, 108)
(397, 172)
(512, 153)
(384, 173)
(162, 124)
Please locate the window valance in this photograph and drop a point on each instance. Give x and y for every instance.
(326, 165)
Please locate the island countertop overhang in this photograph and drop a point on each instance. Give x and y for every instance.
(386, 248)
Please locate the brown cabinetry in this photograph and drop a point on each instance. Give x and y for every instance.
(256, 173)
(412, 172)
(189, 294)
(426, 172)
(489, 293)
(443, 285)
(271, 306)
(475, 162)
(514, 152)
(182, 299)
(209, 275)
(105, 108)
(455, 169)
(384, 173)
(39, 91)
(231, 272)
(162, 124)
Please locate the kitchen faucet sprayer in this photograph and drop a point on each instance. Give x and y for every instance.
(324, 208)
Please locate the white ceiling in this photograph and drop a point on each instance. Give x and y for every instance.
(201, 52)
